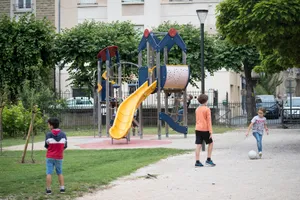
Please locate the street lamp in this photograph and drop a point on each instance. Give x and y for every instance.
(202, 14)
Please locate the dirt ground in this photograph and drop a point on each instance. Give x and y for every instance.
(274, 177)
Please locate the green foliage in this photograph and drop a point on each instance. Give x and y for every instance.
(270, 25)
(81, 44)
(234, 57)
(267, 84)
(26, 51)
(16, 120)
(191, 36)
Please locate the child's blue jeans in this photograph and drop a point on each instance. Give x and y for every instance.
(258, 138)
(180, 115)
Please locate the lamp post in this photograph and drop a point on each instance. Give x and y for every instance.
(202, 14)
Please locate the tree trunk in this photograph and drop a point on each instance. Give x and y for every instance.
(33, 114)
(250, 99)
(1, 127)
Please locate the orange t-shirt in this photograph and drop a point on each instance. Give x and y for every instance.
(203, 119)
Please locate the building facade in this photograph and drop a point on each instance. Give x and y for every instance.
(142, 13)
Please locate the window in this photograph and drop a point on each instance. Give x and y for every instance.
(180, 0)
(132, 1)
(23, 4)
(87, 2)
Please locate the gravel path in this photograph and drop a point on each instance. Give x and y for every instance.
(275, 177)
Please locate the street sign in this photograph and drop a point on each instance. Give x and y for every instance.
(290, 82)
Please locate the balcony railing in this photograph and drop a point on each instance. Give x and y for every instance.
(132, 1)
(180, 0)
(87, 2)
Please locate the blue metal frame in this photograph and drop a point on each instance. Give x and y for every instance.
(189, 77)
(163, 75)
(170, 41)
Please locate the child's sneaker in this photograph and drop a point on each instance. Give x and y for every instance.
(260, 154)
(210, 163)
(48, 191)
(62, 191)
(198, 164)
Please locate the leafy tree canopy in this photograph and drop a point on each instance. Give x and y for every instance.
(80, 45)
(270, 25)
(26, 52)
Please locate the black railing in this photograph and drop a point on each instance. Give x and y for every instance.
(223, 114)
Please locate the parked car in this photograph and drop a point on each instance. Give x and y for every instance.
(270, 104)
(295, 108)
(80, 103)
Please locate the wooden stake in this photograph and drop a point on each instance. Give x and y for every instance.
(33, 114)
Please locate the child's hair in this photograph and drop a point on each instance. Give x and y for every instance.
(202, 98)
(262, 109)
(53, 121)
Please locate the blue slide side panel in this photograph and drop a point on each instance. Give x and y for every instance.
(143, 75)
(175, 126)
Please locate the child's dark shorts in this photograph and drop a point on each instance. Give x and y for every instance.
(203, 136)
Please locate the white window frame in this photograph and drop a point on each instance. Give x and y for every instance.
(24, 4)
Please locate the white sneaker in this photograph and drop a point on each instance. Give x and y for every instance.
(260, 154)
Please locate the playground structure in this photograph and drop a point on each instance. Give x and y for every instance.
(152, 79)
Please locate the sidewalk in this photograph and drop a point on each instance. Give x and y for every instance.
(275, 177)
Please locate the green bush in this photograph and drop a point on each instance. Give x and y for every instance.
(16, 121)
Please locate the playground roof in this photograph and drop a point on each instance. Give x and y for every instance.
(109, 52)
(170, 39)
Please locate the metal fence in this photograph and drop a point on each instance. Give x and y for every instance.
(81, 112)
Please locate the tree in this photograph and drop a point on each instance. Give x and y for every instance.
(81, 44)
(270, 25)
(267, 84)
(26, 51)
(191, 36)
(240, 58)
(238, 45)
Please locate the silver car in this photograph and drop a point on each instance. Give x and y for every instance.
(80, 103)
(291, 112)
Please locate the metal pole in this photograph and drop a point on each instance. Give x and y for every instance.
(185, 107)
(120, 79)
(58, 26)
(107, 97)
(202, 60)
(99, 100)
(166, 94)
(140, 62)
(158, 93)
(202, 69)
(290, 90)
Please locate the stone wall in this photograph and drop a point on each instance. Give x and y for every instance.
(5, 7)
(46, 8)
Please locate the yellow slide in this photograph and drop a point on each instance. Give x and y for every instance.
(125, 113)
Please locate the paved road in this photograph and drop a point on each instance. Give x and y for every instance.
(275, 177)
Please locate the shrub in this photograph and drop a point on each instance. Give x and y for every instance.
(16, 121)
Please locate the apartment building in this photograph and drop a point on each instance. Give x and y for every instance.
(41, 8)
(142, 13)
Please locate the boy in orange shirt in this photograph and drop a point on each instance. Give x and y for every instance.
(203, 131)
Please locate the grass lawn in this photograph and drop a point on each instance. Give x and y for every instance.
(83, 170)
(83, 132)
